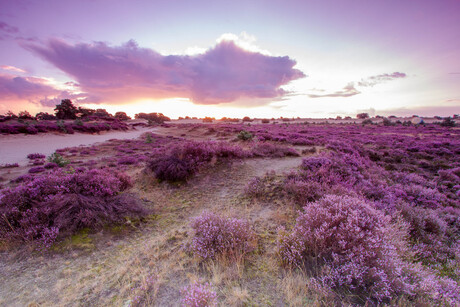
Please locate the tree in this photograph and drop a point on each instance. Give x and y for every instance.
(66, 110)
(84, 112)
(44, 116)
(157, 118)
(122, 116)
(362, 116)
(25, 115)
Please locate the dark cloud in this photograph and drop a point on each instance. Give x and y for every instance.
(7, 31)
(374, 80)
(347, 91)
(121, 74)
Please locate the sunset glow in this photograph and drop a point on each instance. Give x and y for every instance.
(259, 59)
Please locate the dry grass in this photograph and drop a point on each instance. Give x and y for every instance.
(111, 267)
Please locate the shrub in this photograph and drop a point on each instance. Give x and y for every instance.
(58, 159)
(185, 159)
(218, 236)
(199, 295)
(34, 156)
(245, 135)
(350, 240)
(40, 208)
(265, 149)
(362, 116)
(37, 169)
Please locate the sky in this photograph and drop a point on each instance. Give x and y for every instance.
(272, 58)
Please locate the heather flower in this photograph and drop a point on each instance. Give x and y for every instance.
(199, 295)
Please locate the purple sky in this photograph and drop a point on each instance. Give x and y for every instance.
(232, 58)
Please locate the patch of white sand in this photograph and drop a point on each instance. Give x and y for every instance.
(14, 148)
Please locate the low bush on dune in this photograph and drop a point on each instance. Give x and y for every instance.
(58, 204)
(350, 245)
(217, 236)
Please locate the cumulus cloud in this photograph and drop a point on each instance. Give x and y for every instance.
(222, 74)
(348, 91)
(374, 80)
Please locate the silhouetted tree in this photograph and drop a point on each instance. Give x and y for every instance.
(44, 116)
(85, 112)
(362, 116)
(25, 115)
(66, 110)
(122, 116)
(157, 118)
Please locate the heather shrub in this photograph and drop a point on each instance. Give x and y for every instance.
(34, 156)
(199, 295)
(60, 203)
(265, 149)
(216, 236)
(349, 240)
(184, 160)
(37, 169)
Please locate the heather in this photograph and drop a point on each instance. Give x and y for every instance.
(346, 242)
(217, 236)
(58, 203)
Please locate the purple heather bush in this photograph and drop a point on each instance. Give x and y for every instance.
(356, 247)
(217, 236)
(199, 295)
(59, 202)
(34, 156)
(37, 169)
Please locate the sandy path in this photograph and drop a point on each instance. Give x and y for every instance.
(15, 148)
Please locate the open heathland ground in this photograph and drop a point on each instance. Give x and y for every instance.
(235, 214)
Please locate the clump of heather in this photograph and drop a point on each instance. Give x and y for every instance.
(199, 295)
(42, 207)
(356, 247)
(184, 160)
(34, 156)
(217, 236)
(37, 169)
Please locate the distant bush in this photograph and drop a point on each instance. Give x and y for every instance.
(247, 119)
(448, 122)
(245, 135)
(265, 121)
(208, 120)
(367, 122)
(216, 236)
(362, 116)
(199, 295)
(59, 203)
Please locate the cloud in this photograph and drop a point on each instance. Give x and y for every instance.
(17, 90)
(12, 68)
(7, 31)
(222, 74)
(348, 91)
(374, 80)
